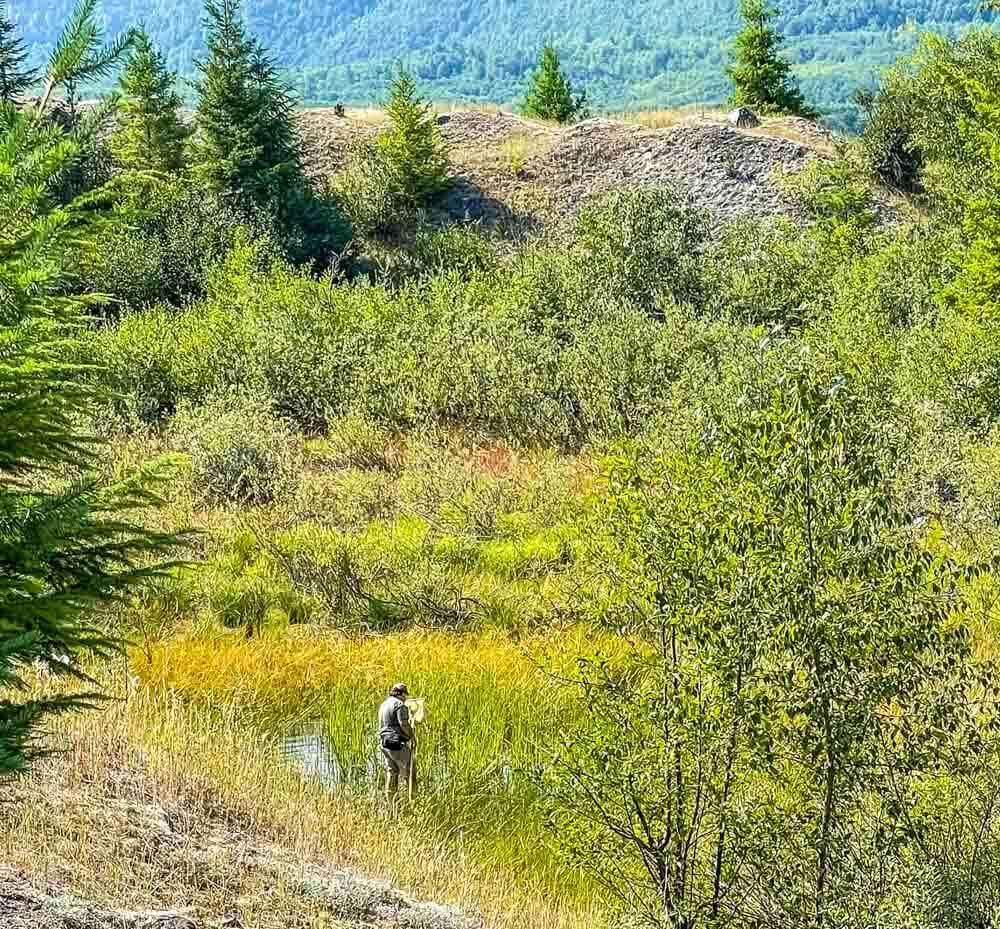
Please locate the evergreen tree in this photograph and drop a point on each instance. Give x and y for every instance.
(550, 94)
(150, 134)
(761, 75)
(15, 78)
(69, 543)
(413, 147)
(81, 55)
(245, 146)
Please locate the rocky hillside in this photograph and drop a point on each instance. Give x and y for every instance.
(508, 169)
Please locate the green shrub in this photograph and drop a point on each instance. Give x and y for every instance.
(640, 247)
(156, 358)
(954, 362)
(241, 453)
(889, 136)
(241, 587)
(315, 231)
(92, 168)
(505, 352)
(910, 138)
(360, 582)
(760, 273)
(835, 193)
(311, 342)
(138, 358)
(353, 442)
(620, 372)
(386, 180)
(899, 282)
(368, 191)
(459, 250)
(163, 241)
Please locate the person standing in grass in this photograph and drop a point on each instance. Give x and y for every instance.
(396, 740)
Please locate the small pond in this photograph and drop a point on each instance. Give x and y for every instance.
(310, 749)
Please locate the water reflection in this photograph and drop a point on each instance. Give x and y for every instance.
(311, 750)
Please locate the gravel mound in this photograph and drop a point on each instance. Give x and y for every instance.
(727, 172)
(327, 139)
(474, 128)
(809, 130)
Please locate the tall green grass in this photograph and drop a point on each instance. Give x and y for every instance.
(495, 707)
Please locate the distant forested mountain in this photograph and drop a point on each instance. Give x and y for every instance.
(627, 54)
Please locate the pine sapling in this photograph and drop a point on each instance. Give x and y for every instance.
(761, 75)
(550, 94)
(150, 135)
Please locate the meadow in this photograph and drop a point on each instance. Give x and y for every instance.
(227, 791)
(452, 564)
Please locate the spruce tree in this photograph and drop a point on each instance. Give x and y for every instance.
(245, 146)
(412, 146)
(150, 134)
(15, 78)
(550, 94)
(761, 75)
(70, 543)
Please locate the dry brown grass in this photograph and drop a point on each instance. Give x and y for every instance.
(461, 106)
(668, 118)
(780, 128)
(375, 115)
(242, 827)
(506, 160)
(776, 127)
(371, 115)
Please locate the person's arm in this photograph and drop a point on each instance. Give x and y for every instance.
(403, 718)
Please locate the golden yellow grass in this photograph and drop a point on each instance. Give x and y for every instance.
(154, 747)
(492, 698)
(301, 659)
(463, 106)
(774, 127)
(375, 115)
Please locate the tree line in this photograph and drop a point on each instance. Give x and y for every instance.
(649, 54)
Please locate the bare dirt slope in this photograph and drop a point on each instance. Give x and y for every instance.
(507, 167)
